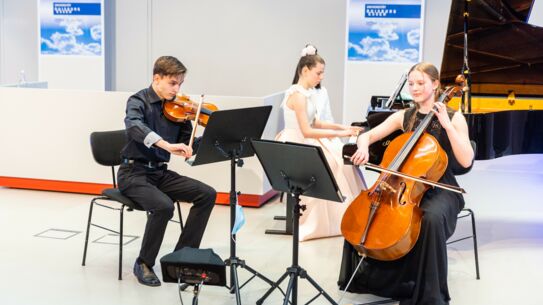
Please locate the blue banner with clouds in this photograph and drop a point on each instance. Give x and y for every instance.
(385, 31)
(71, 28)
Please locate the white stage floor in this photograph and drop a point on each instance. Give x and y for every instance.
(505, 193)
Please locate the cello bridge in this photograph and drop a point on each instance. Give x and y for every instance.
(387, 187)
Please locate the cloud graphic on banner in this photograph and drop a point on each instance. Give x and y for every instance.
(73, 26)
(385, 30)
(73, 37)
(387, 46)
(67, 44)
(379, 49)
(92, 48)
(413, 37)
(64, 42)
(96, 32)
(358, 49)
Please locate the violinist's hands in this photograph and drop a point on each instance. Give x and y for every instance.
(180, 149)
(442, 115)
(361, 156)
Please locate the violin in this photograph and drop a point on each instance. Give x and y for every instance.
(182, 108)
(384, 221)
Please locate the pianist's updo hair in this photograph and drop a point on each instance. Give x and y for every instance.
(309, 59)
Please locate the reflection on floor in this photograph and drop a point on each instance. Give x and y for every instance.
(42, 236)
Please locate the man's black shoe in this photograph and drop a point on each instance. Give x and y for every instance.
(146, 275)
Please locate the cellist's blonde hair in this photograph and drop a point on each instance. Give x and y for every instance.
(432, 72)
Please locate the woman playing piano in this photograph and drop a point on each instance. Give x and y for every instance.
(303, 125)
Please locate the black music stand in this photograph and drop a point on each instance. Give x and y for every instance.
(297, 169)
(227, 136)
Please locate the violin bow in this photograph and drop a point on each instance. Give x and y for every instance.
(191, 141)
(448, 187)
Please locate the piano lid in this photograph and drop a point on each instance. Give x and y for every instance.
(504, 51)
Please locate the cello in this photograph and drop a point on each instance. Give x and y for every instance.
(384, 221)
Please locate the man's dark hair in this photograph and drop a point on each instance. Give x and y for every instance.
(168, 66)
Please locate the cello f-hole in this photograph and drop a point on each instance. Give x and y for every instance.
(401, 192)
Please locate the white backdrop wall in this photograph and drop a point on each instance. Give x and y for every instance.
(18, 40)
(237, 47)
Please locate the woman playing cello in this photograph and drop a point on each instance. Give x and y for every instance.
(419, 277)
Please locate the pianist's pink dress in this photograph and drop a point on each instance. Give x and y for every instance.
(321, 218)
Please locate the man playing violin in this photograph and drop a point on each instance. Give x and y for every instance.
(144, 176)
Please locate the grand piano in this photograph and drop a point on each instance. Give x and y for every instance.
(504, 62)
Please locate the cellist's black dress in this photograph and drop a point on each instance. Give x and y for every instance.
(420, 277)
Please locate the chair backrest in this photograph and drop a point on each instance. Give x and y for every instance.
(459, 170)
(106, 146)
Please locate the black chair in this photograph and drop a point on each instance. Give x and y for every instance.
(465, 213)
(468, 212)
(106, 147)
